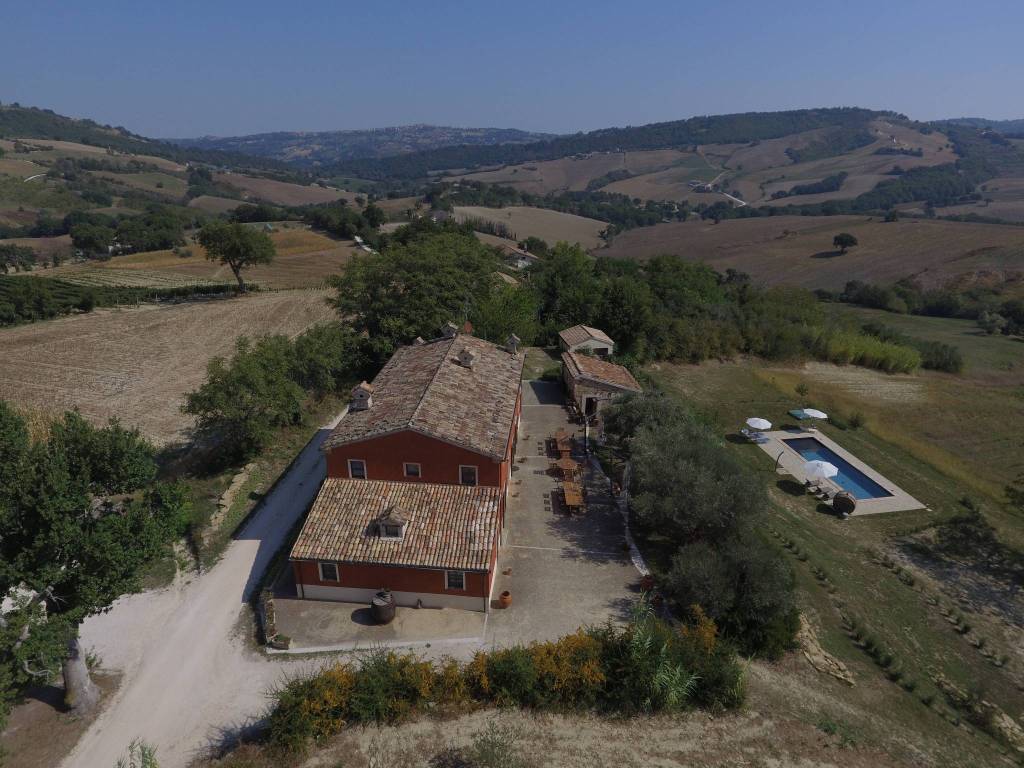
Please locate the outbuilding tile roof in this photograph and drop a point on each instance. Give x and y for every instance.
(424, 388)
(447, 526)
(581, 333)
(600, 371)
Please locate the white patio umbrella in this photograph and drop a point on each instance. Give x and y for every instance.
(759, 424)
(813, 413)
(819, 470)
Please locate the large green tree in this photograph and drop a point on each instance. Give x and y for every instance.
(415, 285)
(72, 541)
(237, 246)
(566, 286)
(244, 399)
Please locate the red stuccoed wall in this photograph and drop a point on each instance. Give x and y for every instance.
(385, 457)
(394, 578)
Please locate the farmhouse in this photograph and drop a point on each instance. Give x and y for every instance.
(591, 382)
(583, 338)
(417, 479)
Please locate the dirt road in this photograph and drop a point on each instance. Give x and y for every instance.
(189, 675)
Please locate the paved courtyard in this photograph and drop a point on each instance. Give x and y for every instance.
(562, 572)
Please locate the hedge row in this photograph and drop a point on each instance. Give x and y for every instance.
(648, 666)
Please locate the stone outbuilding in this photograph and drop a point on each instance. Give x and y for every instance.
(592, 382)
(583, 338)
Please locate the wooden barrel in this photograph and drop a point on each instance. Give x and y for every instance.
(383, 607)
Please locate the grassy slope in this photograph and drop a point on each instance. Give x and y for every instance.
(899, 615)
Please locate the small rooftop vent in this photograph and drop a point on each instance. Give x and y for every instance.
(418, 341)
(362, 397)
(466, 357)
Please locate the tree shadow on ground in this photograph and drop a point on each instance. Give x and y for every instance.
(50, 695)
(791, 487)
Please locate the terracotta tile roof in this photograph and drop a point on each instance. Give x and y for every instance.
(448, 526)
(581, 333)
(424, 388)
(600, 371)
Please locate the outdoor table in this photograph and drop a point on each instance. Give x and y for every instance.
(568, 466)
(573, 495)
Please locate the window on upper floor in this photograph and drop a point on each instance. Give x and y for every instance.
(467, 474)
(412, 469)
(357, 469)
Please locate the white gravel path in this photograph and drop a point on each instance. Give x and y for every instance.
(188, 674)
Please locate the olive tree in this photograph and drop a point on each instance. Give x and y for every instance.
(237, 246)
(69, 547)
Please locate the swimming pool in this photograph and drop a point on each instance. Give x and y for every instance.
(849, 478)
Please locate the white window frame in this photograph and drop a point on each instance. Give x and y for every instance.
(398, 536)
(447, 583)
(366, 473)
(337, 571)
(476, 475)
(419, 469)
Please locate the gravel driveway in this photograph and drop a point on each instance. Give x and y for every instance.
(189, 674)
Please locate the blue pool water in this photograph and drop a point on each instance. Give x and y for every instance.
(849, 478)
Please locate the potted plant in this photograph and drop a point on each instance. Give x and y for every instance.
(505, 599)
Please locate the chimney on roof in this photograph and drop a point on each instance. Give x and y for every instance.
(466, 357)
(362, 397)
(449, 330)
(418, 341)
(512, 344)
(467, 328)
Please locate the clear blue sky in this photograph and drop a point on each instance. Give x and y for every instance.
(223, 67)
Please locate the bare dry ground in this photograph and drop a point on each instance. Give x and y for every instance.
(55, 149)
(281, 192)
(574, 173)
(44, 246)
(551, 226)
(213, 204)
(137, 364)
(158, 183)
(396, 207)
(304, 260)
(797, 250)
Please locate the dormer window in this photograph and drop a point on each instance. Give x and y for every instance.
(392, 525)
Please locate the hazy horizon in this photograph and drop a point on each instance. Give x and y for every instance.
(195, 70)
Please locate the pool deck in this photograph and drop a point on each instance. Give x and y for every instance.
(792, 463)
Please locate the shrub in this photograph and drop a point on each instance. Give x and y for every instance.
(568, 670)
(512, 676)
(844, 347)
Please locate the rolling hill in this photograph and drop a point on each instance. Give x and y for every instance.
(327, 147)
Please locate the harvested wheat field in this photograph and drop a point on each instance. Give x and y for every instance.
(305, 259)
(575, 173)
(45, 247)
(798, 250)
(551, 226)
(137, 364)
(280, 192)
(213, 204)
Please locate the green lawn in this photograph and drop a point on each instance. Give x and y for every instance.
(986, 356)
(904, 619)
